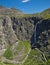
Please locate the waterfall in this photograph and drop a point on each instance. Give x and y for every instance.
(35, 34)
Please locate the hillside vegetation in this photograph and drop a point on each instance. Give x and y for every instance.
(45, 14)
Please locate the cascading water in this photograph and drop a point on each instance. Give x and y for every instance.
(35, 33)
(34, 36)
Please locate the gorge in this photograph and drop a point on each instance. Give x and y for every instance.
(24, 36)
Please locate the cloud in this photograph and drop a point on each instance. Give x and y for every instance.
(25, 1)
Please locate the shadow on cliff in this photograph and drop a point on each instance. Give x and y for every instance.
(44, 25)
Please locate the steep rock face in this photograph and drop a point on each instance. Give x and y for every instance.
(7, 35)
(44, 25)
(43, 33)
(12, 29)
(23, 28)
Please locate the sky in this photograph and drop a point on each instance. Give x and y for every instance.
(27, 6)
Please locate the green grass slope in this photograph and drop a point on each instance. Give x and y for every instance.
(35, 58)
(45, 14)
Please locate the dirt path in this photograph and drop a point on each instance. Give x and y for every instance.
(42, 54)
(26, 56)
(16, 62)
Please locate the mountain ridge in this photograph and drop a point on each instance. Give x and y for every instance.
(45, 13)
(17, 13)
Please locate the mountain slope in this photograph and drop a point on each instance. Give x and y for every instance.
(10, 11)
(45, 14)
(17, 36)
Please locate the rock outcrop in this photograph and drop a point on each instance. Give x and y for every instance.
(7, 34)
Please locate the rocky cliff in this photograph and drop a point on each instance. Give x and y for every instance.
(22, 28)
(7, 34)
(36, 30)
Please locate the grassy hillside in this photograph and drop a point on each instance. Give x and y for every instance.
(19, 14)
(45, 14)
(35, 58)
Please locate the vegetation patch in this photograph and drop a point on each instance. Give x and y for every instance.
(8, 54)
